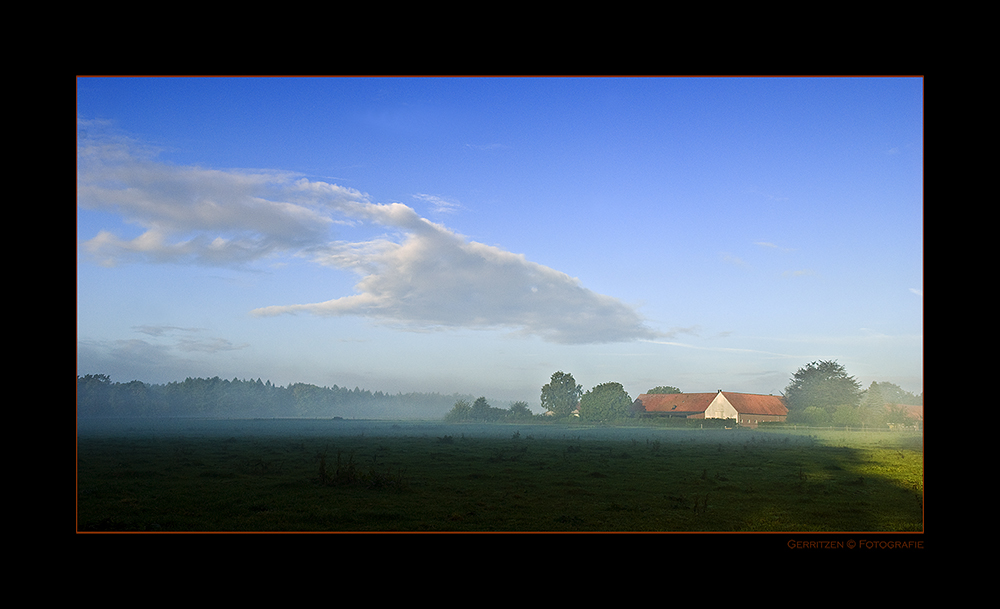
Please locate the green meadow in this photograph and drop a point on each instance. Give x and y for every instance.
(320, 475)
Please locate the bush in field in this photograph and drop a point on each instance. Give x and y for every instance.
(812, 416)
(846, 416)
(349, 474)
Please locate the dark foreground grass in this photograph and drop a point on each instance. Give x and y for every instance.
(528, 478)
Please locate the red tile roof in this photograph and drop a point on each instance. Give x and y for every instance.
(750, 403)
(744, 403)
(675, 402)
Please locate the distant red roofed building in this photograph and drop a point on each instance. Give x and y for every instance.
(746, 408)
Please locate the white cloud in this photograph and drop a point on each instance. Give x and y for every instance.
(190, 214)
(435, 277)
(422, 275)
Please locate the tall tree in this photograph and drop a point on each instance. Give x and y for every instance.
(822, 384)
(873, 406)
(605, 402)
(561, 394)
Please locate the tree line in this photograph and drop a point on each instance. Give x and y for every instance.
(820, 393)
(481, 411)
(561, 397)
(98, 396)
(604, 403)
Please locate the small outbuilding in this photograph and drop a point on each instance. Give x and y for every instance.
(747, 408)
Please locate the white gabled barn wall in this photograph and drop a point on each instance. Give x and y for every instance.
(720, 408)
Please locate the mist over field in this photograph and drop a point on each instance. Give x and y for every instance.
(325, 428)
(309, 475)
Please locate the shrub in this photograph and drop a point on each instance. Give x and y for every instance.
(348, 474)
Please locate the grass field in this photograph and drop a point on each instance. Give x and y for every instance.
(300, 475)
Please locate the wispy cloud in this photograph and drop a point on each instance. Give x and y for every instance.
(189, 339)
(723, 349)
(422, 275)
(209, 345)
(731, 259)
(772, 246)
(154, 330)
(917, 292)
(439, 204)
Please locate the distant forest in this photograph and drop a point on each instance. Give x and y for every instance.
(98, 396)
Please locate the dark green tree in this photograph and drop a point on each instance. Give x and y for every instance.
(519, 411)
(480, 408)
(561, 394)
(822, 384)
(482, 411)
(663, 389)
(605, 402)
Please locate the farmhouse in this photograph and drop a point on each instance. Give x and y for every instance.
(748, 409)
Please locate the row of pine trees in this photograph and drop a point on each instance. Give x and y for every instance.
(99, 396)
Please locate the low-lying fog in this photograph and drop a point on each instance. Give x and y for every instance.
(347, 427)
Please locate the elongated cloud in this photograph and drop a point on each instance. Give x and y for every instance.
(435, 277)
(422, 275)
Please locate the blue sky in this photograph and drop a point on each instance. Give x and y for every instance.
(476, 235)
